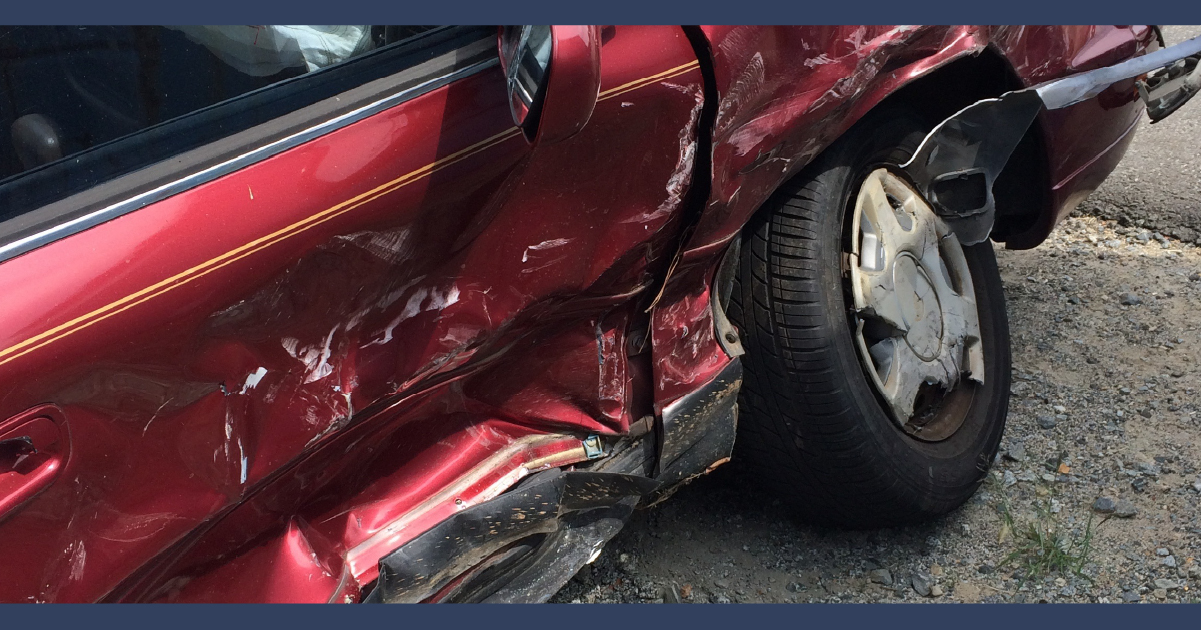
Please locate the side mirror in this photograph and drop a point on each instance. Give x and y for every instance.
(552, 74)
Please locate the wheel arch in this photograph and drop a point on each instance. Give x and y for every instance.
(1023, 190)
(940, 85)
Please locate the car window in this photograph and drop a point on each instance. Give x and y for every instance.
(82, 105)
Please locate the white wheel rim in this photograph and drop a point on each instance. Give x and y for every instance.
(913, 290)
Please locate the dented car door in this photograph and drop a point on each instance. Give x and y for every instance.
(263, 363)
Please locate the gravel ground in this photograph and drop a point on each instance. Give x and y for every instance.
(1100, 467)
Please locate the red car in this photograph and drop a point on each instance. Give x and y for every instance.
(384, 313)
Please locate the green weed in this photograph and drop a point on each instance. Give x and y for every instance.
(1042, 547)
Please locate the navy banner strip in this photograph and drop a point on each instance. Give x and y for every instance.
(600, 616)
(604, 12)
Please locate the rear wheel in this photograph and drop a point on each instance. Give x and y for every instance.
(877, 363)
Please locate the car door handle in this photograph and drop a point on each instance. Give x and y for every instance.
(32, 452)
(15, 451)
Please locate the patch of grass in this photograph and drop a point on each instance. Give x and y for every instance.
(1042, 548)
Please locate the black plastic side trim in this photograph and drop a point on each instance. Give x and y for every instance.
(698, 430)
(554, 521)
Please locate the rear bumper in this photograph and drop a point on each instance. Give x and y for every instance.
(1084, 144)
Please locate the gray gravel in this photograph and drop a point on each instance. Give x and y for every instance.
(1103, 436)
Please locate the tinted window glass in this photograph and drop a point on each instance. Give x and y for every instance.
(68, 89)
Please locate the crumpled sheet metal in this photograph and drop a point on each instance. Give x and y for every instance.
(964, 154)
(684, 348)
(214, 420)
(315, 391)
(776, 113)
(786, 92)
(293, 568)
(957, 164)
(423, 465)
(559, 510)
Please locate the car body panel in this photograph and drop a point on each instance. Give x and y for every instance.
(352, 291)
(274, 379)
(211, 355)
(786, 92)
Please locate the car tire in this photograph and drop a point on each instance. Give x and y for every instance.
(814, 426)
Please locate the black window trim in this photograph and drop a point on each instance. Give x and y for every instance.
(130, 192)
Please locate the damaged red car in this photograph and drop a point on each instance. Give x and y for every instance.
(421, 314)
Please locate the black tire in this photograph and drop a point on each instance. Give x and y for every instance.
(812, 425)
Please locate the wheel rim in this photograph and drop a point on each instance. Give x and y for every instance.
(915, 321)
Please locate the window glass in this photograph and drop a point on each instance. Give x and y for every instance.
(65, 90)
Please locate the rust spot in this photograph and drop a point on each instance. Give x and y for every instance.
(716, 464)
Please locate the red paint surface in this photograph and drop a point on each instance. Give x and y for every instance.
(273, 379)
(379, 330)
(789, 91)
(574, 82)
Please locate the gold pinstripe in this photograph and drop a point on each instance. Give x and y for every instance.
(86, 320)
(634, 85)
(213, 264)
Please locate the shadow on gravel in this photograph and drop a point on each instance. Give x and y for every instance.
(732, 494)
(724, 538)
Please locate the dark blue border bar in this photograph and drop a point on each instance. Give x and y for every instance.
(602, 616)
(600, 11)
